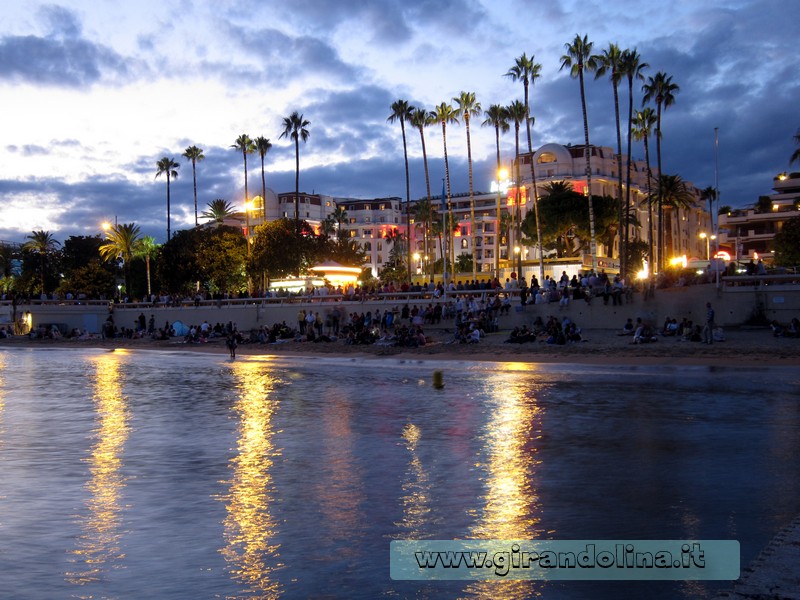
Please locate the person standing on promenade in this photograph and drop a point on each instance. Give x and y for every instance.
(708, 330)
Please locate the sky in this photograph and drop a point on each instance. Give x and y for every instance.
(94, 93)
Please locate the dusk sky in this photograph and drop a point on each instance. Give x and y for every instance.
(94, 93)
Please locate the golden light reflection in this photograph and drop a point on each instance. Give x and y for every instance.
(511, 506)
(98, 548)
(2, 400)
(250, 527)
(416, 490)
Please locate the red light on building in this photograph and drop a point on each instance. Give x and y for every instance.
(579, 186)
(513, 192)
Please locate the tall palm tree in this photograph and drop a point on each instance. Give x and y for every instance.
(295, 128)
(44, 244)
(517, 113)
(643, 123)
(445, 114)
(168, 167)
(709, 194)
(246, 146)
(528, 71)
(420, 119)
(497, 117)
(675, 196)
(402, 111)
(121, 242)
(631, 68)
(219, 210)
(195, 155)
(660, 89)
(146, 248)
(469, 107)
(263, 145)
(610, 61)
(578, 60)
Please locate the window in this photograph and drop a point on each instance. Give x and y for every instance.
(352, 220)
(368, 233)
(546, 157)
(353, 233)
(382, 207)
(367, 219)
(367, 246)
(380, 259)
(383, 219)
(464, 242)
(327, 203)
(367, 207)
(380, 246)
(489, 240)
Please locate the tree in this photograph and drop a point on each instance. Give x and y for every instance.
(402, 111)
(709, 194)
(218, 210)
(295, 128)
(445, 114)
(528, 71)
(121, 242)
(195, 155)
(674, 195)
(517, 113)
(643, 123)
(631, 67)
(425, 213)
(43, 244)
(263, 145)
(787, 244)
(579, 59)
(222, 257)
(246, 146)
(661, 89)
(146, 248)
(421, 118)
(281, 248)
(610, 61)
(167, 166)
(469, 107)
(497, 117)
(795, 157)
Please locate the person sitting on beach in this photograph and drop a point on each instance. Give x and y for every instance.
(628, 328)
(793, 331)
(644, 333)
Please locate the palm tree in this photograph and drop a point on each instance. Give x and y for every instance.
(631, 67)
(579, 59)
(610, 61)
(643, 123)
(469, 107)
(445, 114)
(263, 145)
(795, 157)
(420, 119)
(402, 111)
(709, 194)
(339, 216)
(425, 213)
(528, 71)
(122, 242)
(146, 248)
(42, 243)
(497, 117)
(294, 127)
(170, 168)
(195, 155)
(674, 195)
(661, 89)
(219, 210)
(246, 146)
(517, 113)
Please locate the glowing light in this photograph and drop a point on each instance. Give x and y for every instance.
(681, 261)
(723, 255)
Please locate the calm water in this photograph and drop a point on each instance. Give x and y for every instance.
(170, 475)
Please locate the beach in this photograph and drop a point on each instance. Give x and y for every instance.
(742, 347)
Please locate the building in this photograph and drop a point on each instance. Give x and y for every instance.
(369, 221)
(750, 232)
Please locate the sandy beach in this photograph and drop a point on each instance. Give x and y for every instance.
(745, 347)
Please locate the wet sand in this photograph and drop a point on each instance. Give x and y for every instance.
(745, 347)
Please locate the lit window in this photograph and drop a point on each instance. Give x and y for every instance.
(382, 207)
(546, 157)
(352, 220)
(353, 233)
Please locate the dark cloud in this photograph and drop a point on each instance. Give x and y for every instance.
(61, 21)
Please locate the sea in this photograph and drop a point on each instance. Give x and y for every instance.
(153, 474)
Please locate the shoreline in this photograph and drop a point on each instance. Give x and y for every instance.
(752, 348)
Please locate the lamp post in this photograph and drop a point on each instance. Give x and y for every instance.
(708, 238)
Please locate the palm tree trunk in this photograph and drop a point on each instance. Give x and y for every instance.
(650, 261)
(661, 261)
(586, 154)
(408, 201)
(628, 169)
(194, 186)
(620, 213)
(449, 229)
(147, 265)
(497, 213)
(297, 184)
(471, 206)
(263, 192)
(169, 231)
(533, 188)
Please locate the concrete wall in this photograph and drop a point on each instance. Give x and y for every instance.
(733, 305)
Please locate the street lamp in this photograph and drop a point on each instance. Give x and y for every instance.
(416, 260)
(502, 186)
(707, 238)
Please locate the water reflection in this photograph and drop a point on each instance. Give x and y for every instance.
(250, 526)
(98, 548)
(511, 507)
(2, 399)
(416, 491)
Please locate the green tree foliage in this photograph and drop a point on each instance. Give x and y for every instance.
(281, 250)
(787, 244)
(44, 246)
(92, 278)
